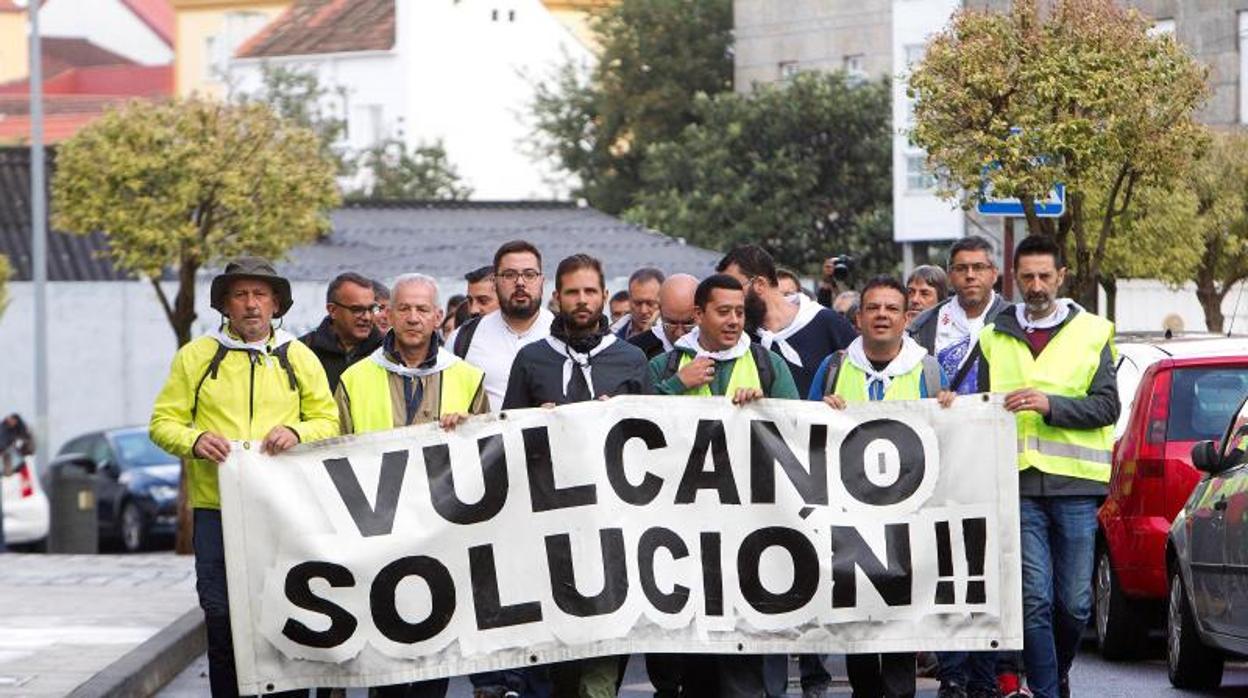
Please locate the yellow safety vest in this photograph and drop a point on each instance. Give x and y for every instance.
(851, 384)
(744, 375)
(1065, 368)
(368, 391)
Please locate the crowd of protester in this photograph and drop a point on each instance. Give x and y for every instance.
(386, 357)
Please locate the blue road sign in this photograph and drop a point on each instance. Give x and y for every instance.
(1052, 206)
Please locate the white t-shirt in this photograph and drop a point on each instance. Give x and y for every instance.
(494, 347)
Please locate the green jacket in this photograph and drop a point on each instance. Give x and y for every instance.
(782, 385)
(243, 403)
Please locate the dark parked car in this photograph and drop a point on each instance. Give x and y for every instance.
(136, 484)
(1207, 563)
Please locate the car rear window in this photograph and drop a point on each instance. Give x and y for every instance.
(136, 449)
(1203, 400)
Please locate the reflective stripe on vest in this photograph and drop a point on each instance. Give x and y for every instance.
(368, 392)
(744, 375)
(851, 384)
(1065, 368)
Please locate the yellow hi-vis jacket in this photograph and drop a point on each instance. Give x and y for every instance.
(367, 385)
(1065, 368)
(243, 402)
(744, 375)
(851, 383)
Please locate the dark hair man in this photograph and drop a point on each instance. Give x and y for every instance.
(795, 327)
(618, 305)
(491, 341)
(581, 360)
(243, 382)
(1055, 363)
(926, 286)
(382, 317)
(675, 316)
(883, 363)
(482, 297)
(347, 334)
(643, 303)
(717, 358)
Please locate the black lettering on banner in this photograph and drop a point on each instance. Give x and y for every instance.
(975, 543)
(442, 482)
(568, 598)
(912, 462)
(613, 452)
(712, 573)
(299, 592)
(543, 492)
(709, 437)
(893, 579)
(651, 540)
(805, 570)
(486, 603)
(375, 520)
(381, 598)
(768, 447)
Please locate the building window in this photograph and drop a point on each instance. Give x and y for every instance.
(854, 65)
(1162, 26)
(511, 15)
(789, 70)
(918, 177)
(212, 61)
(494, 15)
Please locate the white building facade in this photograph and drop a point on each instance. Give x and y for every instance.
(109, 24)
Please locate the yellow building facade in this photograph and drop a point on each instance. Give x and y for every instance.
(575, 15)
(206, 35)
(14, 49)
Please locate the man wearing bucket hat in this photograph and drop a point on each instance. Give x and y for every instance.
(245, 381)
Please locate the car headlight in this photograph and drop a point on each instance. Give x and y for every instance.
(163, 493)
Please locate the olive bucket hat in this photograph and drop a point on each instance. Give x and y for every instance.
(256, 268)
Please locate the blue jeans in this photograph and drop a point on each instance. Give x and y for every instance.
(1059, 544)
(971, 670)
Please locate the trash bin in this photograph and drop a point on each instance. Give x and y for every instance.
(75, 525)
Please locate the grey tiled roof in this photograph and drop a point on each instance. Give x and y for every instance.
(445, 240)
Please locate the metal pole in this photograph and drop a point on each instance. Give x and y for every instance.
(39, 242)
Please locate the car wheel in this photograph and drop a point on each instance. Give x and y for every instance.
(133, 528)
(1121, 625)
(1191, 664)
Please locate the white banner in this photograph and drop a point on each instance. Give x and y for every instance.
(640, 524)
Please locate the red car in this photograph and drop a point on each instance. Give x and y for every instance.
(1187, 391)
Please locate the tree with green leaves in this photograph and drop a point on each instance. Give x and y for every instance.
(299, 97)
(392, 171)
(1082, 95)
(801, 168)
(176, 186)
(1220, 185)
(656, 56)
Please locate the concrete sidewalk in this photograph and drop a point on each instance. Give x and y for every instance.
(71, 621)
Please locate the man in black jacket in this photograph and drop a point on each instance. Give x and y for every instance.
(675, 316)
(580, 360)
(347, 334)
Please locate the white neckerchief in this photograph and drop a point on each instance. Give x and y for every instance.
(952, 324)
(264, 346)
(911, 355)
(441, 363)
(1057, 317)
(573, 356)
(690, 343)
(806, 311)
(662, 335)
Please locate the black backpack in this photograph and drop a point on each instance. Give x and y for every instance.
(762, 360)
(215, 365)
(931, 374)
(463, 338)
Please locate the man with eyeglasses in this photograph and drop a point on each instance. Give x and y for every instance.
(492, 341)
(643, 303)
(348, 333)
(675, 316)
(950, 332)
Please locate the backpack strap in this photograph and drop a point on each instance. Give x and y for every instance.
(834, 370)
(463, 338)
(673, 364)
(965, 369)
(284, 360)
(213, 367)
(762, 362)
(931, 376)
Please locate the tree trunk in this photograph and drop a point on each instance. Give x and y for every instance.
(1110, 284)
(1210, 298)
(182, 317)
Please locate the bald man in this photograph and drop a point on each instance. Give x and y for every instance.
(675, 316)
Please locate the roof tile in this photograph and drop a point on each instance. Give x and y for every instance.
(325, 26)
